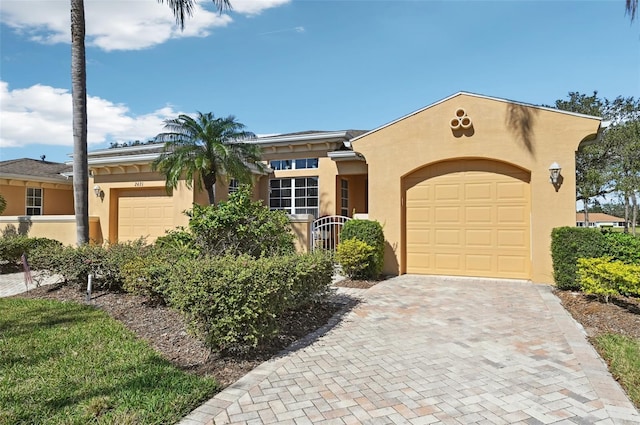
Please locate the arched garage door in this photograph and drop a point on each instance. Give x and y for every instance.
(144, 212)
(468, 217)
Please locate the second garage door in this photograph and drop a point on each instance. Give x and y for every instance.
(468, 218)
(145, 212)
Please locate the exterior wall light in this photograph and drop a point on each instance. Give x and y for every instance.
(97, 190)
(554, 173)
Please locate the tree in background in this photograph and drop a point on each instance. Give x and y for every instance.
(181, 10)
(205, 148)
(612, 164)
(3, 204)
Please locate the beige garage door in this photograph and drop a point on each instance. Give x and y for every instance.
(468, 218)
(146, 212)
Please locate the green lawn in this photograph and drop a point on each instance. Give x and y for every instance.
(623, 356)
(65, 363)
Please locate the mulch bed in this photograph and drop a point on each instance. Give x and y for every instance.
(620, 315)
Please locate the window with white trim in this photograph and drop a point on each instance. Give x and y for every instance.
(344, 197)
(234, 185)
(294, 164)
(294, 195)
(34, 201)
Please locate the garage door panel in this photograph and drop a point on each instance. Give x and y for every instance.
(478, 192)
(446, 192)
(511, 191)
(479, 238)
(479, 215)
(475, 224)
(448, 237)
(447, 215)
(511, 238)
(478, 263)
(144, 213)
(448, 261)
(513, 214)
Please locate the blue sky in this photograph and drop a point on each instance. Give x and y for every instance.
(284, 66)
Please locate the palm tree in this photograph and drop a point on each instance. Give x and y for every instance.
(205, 148)
(632, 8)
(181, 10)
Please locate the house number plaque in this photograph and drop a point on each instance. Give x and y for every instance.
(138, 184)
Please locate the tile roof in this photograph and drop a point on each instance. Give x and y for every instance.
(35, 169)
(598, 218)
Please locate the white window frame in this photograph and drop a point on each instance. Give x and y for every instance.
(31, 201)
(234, 185)
(344, 197)
(297, 195)
(294, 164)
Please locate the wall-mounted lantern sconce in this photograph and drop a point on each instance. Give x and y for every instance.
(554, 173)
(97, 190)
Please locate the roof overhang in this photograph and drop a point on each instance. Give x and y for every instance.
(11, 176)
(345, 156)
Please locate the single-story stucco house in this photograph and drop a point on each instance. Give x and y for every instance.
(468, 186)
(599, 220)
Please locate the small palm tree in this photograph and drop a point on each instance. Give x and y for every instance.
(205, 148)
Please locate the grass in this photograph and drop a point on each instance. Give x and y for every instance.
(66, 363)
(623, 356)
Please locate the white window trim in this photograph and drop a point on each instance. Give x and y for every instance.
(27, 197)
(293, 164)
(293, 209)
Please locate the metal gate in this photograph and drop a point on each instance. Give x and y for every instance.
(325, 232)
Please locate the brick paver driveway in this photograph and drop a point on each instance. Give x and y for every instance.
(424, 349)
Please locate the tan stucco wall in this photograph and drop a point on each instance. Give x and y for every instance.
(527, 137)
(57, 198)
(301, 228)
(61, 228)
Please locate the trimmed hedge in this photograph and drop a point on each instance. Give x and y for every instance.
(74, 264)
(233, 303)
(568, 244)
(369, 232)
(12, 248)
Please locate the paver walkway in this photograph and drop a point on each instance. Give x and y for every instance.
(13, 283)
(423, 350)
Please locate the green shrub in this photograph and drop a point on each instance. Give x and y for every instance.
(104, 262)
(179, 241)
(240, 226)
(623, 246)
(369, 232)
(355, 258)
(12, 248)
(567, 245)
(151, 274)
(605, 277)
(233, 303)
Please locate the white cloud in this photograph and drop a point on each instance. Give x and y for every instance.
(255, 7)
(118, 24)
(42, 115)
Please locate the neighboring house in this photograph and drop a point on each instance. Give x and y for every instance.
(599, 220)
(39, 196)
(36, 187)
